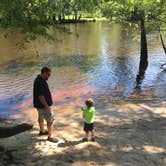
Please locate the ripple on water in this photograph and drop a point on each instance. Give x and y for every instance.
(101, 63)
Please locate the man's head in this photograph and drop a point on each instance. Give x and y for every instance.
(45, 73)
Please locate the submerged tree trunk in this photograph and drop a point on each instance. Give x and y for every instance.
(144, 51)
(161, 38)
(164, 48)
(144, 54)
(162, 42)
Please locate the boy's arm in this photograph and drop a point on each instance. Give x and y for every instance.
(83, 114)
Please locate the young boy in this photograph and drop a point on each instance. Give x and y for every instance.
(89, 115)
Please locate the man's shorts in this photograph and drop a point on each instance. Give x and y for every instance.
(88, 127)
(47, 115)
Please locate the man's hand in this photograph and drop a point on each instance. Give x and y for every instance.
(43, 101)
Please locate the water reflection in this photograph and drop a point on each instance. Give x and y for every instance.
(97, 60)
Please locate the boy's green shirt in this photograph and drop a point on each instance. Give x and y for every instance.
(90, 114)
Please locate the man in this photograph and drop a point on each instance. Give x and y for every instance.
(42, 101)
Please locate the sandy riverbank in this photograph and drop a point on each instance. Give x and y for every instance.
(127, 135)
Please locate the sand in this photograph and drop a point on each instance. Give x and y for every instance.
(128, 134)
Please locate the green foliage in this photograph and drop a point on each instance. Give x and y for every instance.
(152, 11)
(34, 17)
(29, 16)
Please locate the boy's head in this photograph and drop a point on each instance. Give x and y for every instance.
(89, 102)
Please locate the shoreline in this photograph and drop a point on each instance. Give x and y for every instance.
(128, 134)
(6, 122)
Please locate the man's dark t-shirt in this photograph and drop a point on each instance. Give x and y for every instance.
(40, 88)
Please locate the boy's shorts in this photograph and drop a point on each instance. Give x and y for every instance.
(47, 115)
(88, 127)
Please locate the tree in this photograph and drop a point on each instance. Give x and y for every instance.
(161, 21)
(141, 12)
(28, 16)
(34, 17)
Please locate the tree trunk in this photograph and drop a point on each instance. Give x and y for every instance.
(164, 48)
(75, 16)
(79, 16)
(60, 18)
(144, 55)
(144, 51)
(162, 42)
(54, 19)
(161, 3)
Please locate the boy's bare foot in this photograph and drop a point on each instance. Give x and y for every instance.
(85, 139)
(51, 139)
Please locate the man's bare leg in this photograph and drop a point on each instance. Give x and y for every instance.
(41, 124)
(49, 126)
(50, 138)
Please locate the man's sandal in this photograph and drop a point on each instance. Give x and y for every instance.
(43, 133)
(51, 139)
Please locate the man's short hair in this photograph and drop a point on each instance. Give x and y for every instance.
(45, 70)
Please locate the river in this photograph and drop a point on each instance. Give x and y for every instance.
(98, 60)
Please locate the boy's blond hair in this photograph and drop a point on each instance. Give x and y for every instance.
(89, 102)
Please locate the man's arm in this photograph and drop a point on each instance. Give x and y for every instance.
(40, 94)
(43, 101)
